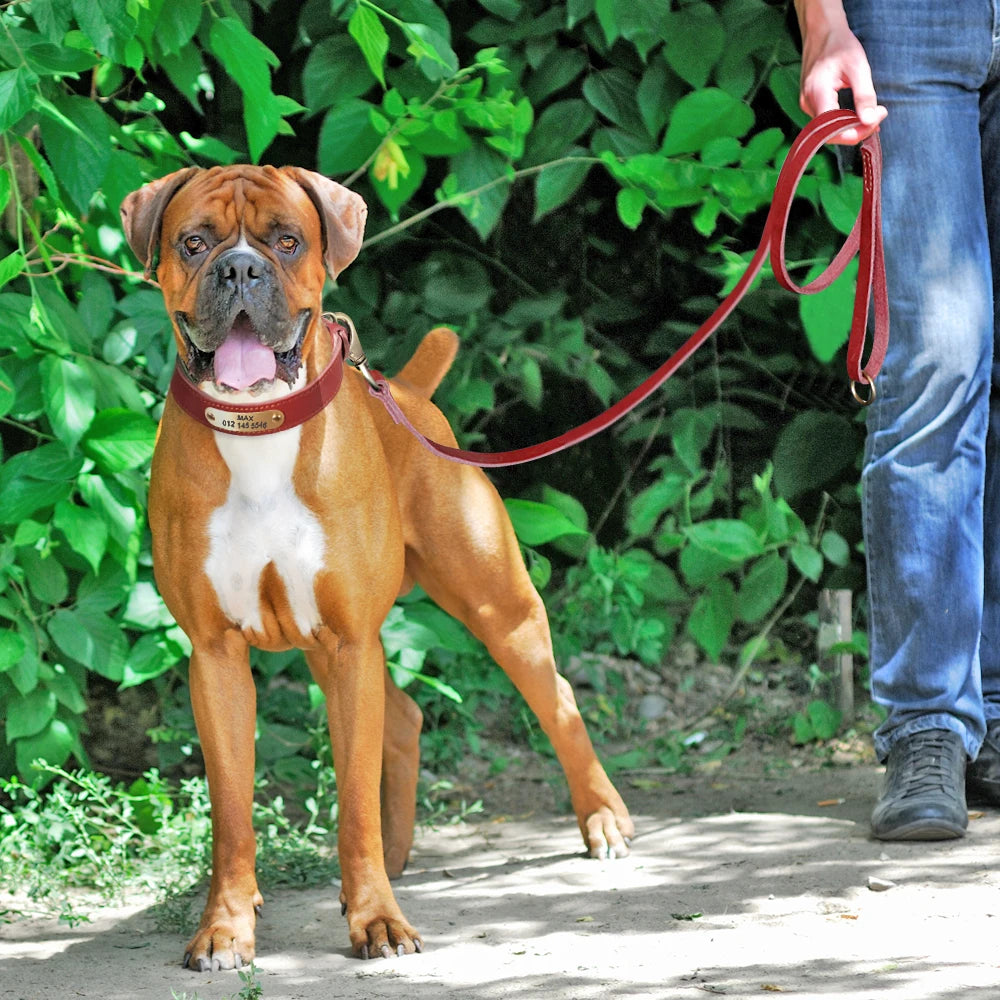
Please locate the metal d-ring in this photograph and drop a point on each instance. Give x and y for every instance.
(867, 399)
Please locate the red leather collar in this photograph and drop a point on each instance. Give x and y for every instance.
(254, 419)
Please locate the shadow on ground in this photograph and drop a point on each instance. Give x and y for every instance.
(773, 897)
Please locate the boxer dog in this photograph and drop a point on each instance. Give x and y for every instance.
(303, 538)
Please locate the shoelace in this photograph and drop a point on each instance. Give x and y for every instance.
(928, 764)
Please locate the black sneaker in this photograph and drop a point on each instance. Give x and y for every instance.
(924, 796)
(982, 777)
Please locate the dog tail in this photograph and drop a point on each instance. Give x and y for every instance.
(430, 362)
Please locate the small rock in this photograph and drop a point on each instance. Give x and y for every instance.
(652, 707)
(879, 884)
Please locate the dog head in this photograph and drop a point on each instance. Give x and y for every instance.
(243, 255)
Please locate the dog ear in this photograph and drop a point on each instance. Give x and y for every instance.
(142, 212)
(342, 215)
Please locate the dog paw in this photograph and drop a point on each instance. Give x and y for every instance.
(215, 948)
(608, 835)
(223, 943)
(383, 938)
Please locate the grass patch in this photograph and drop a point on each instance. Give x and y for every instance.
(87, 832)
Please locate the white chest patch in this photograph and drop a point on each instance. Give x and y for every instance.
(263, 521)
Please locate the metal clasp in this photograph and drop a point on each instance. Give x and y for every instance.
(355, 352)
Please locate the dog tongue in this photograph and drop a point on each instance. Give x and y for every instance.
(242, 360)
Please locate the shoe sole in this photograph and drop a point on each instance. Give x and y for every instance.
(922, 830)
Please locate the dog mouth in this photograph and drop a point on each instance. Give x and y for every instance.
(242, 362)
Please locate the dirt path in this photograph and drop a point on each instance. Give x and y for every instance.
(773, 897)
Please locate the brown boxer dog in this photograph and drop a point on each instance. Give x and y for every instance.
(305, 537)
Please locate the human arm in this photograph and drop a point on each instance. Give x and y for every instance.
(833, 60)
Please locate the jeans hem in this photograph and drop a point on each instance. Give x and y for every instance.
(884, 742)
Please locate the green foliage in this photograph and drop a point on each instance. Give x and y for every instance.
(86, 831)
(816, 722)
(570, 184)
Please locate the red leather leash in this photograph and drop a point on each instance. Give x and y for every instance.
(865, 239)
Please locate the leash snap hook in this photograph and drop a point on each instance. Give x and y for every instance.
(355, 352)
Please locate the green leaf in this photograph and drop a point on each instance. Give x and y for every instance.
(835, 548)
(53, 745)
(630, 203)
(712, 617)
(652, 503)
(17, 87)
(705, 115)
(119, 439)
(69, 398)
(23, 497)
(531, 381)
(177, 23)
(85, 531)
(726, 537)
(841, 201)
(47, 579)
(762, 588)
(346, 138)
(107, 23)
(476, 169)
(365, 27)
(435, 57)
(657, 93)
(802, 730)
(92, 639)
(812, 451)
(558, 126)
(12, 648)
(538, 523)
(569, 506)
(334, 73)
(826, 316)
(246, 59)
(77, 138)
(701, 566)
(31, 714)
(555, 185)
(808, 561)
(150, 657)
(145, 608)
(693, 62)
(824, 719)
(11, 266)
(613, 93)
(67, 692)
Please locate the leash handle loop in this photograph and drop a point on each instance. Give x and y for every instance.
(865, 240)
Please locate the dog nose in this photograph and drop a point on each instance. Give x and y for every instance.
(240, 269)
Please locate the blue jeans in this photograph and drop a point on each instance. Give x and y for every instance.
(931, 481)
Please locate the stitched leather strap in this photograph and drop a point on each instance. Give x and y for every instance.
(865, 239)
(254, 419)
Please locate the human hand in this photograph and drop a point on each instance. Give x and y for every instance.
(834, 60)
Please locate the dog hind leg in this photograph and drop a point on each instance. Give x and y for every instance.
(471, 565)
(400, 771)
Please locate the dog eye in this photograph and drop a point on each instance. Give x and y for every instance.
(287, 244)
(194, 245)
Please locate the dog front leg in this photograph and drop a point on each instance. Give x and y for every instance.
(225, 709)
(352, 677)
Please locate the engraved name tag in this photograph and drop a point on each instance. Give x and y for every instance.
(238, 422)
